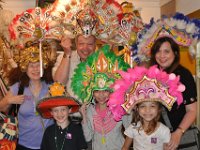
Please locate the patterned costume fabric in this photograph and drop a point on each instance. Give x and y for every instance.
(98, 72)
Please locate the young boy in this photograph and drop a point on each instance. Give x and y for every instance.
(63, 134)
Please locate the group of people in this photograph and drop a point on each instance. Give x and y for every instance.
(98, 123)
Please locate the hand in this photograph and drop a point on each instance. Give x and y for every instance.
(14, 99)
(83, 110)
(165, 146)
(175, 140)
(66, 44)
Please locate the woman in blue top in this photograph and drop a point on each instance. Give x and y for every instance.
(27, 75)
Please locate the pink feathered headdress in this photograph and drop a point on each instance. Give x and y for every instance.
(142, 84)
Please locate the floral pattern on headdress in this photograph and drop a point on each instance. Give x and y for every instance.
(98, 73)
(31, 54)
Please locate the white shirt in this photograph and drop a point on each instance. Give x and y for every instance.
(154, 141)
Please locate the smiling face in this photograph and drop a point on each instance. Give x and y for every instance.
(60, 114)
(165, 55)
(33, 70)
(85, 46)
(101, 96)
(148, 110)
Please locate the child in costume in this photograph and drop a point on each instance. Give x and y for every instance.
(144, 90)
(91, 82)
(63, 134)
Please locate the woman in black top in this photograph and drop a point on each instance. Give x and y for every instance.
(166, 54)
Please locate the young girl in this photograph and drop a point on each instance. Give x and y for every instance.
(144, 90)
(97, 74)
(146, 131)
(64, 134)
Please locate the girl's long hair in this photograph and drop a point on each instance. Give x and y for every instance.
(152, 124)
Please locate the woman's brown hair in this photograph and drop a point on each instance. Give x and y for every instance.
(16, 75)
(175, 48)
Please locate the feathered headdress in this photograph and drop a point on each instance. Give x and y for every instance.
(98, 73)
(36, 25)
(142, 84)
(180, 28)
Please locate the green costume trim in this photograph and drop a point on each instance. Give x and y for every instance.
(98, 72)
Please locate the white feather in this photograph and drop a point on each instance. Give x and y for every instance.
(190, 28)
(181, 24)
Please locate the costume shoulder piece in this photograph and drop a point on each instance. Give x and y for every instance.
(98, 72)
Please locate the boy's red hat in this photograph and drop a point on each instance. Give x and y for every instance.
(57, 98)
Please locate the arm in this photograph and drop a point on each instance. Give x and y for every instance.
(10, 99)
(81, 139)
(62, 71)
(127, 119)
(44, 142)
(86, 113)
(127, 143)
(188, 120)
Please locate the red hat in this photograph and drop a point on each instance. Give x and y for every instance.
(57, 98)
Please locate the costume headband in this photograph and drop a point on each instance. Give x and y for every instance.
(57, 97)
(141, 84)
(98, 72)
(180, 28)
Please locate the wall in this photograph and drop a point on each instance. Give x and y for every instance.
(192, 5)
(147, 8)
(168, 9)
(18, 6)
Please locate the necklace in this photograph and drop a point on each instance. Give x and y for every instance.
(56, 142)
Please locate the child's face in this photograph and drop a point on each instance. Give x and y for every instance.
(148, 110)
(60, 114)
(101, 96)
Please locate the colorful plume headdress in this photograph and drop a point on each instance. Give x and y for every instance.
(181, 29)
(37, 26)
(98, 72)
(142, 84)
(106, 19)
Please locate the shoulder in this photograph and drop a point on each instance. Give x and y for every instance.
(163, 127)
(91, 108)
(74, 55)
(181, 70)
(75, 127)
(49, 130)
(51, 127)
(185, 75)
(14, 88)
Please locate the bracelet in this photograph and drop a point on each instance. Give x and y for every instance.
(182, 131)
(66, 56)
